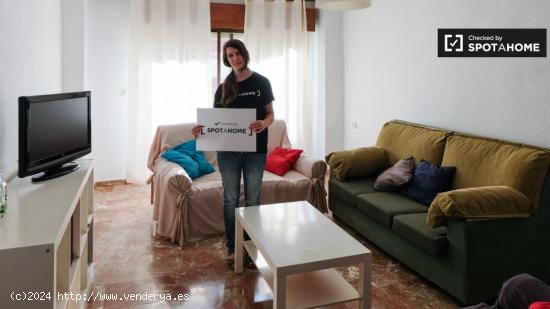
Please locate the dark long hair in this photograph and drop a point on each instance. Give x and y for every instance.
(230, 87)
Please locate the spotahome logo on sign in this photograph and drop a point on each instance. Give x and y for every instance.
(247, 131)
(491, 42)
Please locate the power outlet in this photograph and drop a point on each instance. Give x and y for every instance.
(354, 125)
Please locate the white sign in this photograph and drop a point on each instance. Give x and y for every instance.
(226, 129)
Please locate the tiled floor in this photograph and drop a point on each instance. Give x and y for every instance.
(129, 262)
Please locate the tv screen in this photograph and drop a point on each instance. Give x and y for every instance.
(53, 130)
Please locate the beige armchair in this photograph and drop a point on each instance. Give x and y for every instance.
(188, 210)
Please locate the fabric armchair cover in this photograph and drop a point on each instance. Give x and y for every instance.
(316, 170)
(188, 210)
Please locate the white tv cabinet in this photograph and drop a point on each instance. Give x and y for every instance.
(46, 241)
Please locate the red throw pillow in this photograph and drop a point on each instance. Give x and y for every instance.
(280, 160)
(540, 305)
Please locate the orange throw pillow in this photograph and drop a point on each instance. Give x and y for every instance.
(281, 160)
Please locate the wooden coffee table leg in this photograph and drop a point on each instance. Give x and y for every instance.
(365, 283)
(239, 246)
(279, 291)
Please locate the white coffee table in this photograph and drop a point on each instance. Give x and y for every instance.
(296, 248)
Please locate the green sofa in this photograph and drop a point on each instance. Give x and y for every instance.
(469, 259)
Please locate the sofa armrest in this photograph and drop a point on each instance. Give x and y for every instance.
(315, 170)
(311, 167)
(171, 187)
(168, 173)
(497, 236)
(494, 250)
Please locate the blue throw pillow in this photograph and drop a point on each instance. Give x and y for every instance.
(190, 148)
(428, 180)
(185, 161)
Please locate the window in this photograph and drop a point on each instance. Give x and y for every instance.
(171, 104)
(218, 70)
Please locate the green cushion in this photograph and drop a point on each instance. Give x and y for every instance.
(359, 162)
(483, 162)
(492, 202)
(382, 206)
(348, 190)
(413, 228)
(401, 140)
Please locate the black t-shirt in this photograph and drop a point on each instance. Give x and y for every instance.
(254, 92)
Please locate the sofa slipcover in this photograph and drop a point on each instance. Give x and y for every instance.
(188, 210)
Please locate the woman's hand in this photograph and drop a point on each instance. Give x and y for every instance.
(196, 130)
(258, 126)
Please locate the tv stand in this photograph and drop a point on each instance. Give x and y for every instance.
(46, 242)
(55, 172)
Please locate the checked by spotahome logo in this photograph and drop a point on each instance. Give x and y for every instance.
(491, 42)
(454, 42)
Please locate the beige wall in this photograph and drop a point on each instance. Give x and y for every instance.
(391, 70)
(30, 64)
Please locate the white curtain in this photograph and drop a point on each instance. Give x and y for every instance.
(169, 72)
(275, 34)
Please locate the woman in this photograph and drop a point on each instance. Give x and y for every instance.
(242, 88)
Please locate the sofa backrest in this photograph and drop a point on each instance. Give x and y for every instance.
(175, 134)
(487, 162)
(172, 135)
(277, 135)
(402, 139)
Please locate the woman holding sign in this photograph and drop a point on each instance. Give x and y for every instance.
(242, 88)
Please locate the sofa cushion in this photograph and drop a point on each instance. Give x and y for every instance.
(401, 140)
(396, 177)
(349, 189)
(382, 206)
(413, 228)
(293, 186)
(428, 181)
(482, 162)
(478, 203)
(359, 162)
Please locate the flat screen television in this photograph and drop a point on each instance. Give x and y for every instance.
(53, 131)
